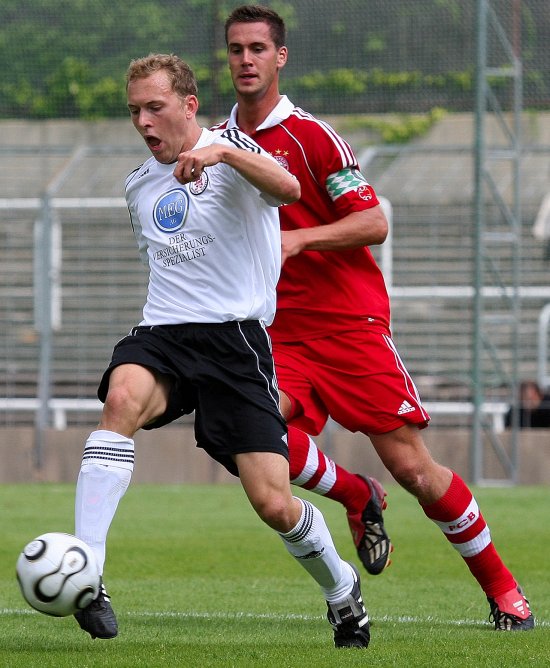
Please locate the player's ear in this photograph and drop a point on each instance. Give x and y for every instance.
(191, 105)
(282, 57)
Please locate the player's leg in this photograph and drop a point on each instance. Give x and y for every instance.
(311, 469)
(447, 501)
(362, 497)
(240, 398)
(377, 396)
(265, 479)
(134, 397)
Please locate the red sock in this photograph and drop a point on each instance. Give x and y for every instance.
(458, 516)
(312, 469)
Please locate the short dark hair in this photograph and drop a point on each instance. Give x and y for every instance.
(259, 14)
(180, 74)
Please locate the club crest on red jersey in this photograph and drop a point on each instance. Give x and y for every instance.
(365, 192)
(280, 156)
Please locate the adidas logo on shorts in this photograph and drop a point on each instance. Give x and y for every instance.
(405, 408)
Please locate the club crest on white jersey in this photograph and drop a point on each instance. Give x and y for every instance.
(171, 209)
(200, 185)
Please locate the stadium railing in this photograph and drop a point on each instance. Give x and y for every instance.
(543, 376)
(60, 407)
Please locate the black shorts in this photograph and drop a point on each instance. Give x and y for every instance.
(224, 372)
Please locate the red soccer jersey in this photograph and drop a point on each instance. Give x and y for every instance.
(321, 292)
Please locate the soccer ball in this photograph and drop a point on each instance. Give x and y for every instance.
(58, 574)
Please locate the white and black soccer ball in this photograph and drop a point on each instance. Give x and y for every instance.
(58, 574)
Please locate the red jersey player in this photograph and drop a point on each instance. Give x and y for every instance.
(303, 314)
(332, 343)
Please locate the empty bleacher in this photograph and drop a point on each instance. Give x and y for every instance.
(102, 283)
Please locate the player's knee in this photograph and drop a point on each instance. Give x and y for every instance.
(119, 399)
(424, 480)
(409, 475)
(275, 511)
(122, 411)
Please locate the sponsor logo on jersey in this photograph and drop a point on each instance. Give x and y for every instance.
(200, 185)
(171, 210)
(405, 408)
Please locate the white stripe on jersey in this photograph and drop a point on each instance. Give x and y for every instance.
(346, 153)
(304, 155)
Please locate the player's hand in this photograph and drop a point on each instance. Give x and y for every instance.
(189, 168)
(191, 164)
(292, 243)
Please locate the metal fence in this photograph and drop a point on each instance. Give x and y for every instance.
(68, 59)
(70, 280)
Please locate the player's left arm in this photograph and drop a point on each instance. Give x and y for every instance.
(259, 169)
(358, 228)
(357, 217)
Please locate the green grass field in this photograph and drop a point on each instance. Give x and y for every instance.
(197, 580)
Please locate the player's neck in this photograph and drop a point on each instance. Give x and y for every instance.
(252, 112)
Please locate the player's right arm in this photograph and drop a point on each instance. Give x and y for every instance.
(247, 158)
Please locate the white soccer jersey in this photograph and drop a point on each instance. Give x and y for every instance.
(213, 246)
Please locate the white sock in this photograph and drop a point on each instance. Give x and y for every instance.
(105, 474)
(310, 543)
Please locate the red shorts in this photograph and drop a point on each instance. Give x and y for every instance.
(355, 377)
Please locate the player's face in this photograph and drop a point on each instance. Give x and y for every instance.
(254, 61)
(160, 116)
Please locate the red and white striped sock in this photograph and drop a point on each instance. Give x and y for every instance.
(311, 469)
(458, 516)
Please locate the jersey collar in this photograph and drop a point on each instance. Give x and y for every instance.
(204, 138)
(278, 114)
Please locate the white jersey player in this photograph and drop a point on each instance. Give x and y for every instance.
(204, 211)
